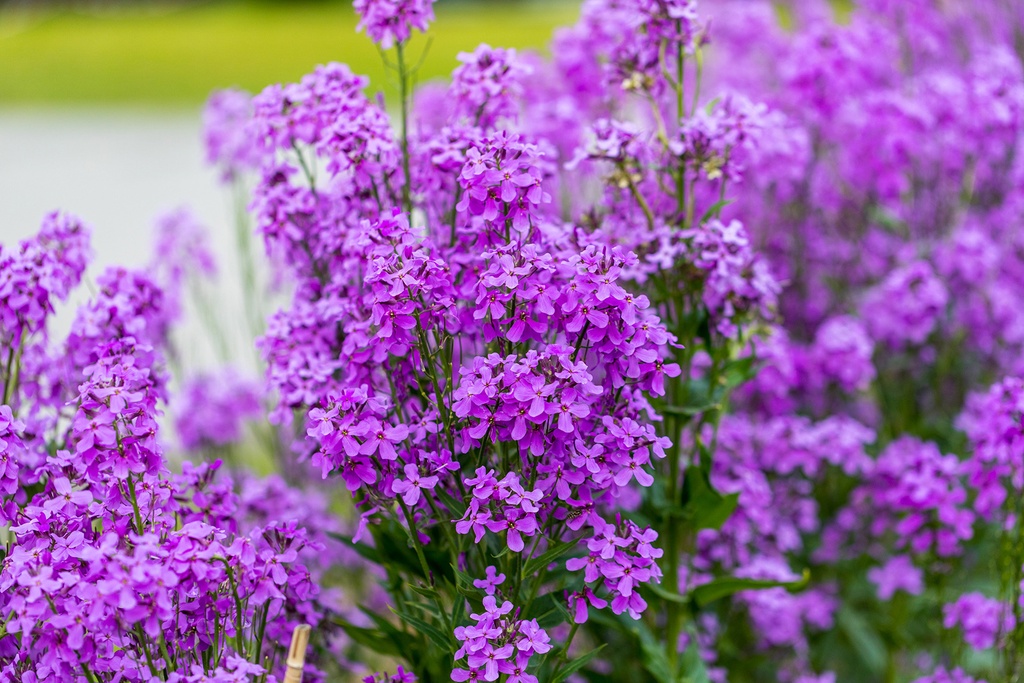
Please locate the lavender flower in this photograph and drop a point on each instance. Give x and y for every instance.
(387, 22)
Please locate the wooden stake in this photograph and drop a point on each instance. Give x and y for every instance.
(296, 661)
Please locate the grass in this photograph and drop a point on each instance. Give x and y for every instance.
(178, 55)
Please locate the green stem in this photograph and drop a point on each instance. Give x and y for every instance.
(239, 643)
(13, 370)
(403, 88)
(635, 191)
(261, 630)
(89, 675)
(423, 560)
(141, 635)
(563, 656)
(674, 616)
(135, 500)
(171, 663)
(247, 265)
(416, 542)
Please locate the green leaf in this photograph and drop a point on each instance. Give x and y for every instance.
(653, 655)
(436, 635)
(383, 624)
(727, 585)
(705, 507)
(577, 664)
(689, 411)
(553, 553)
(505, 550)
(714, 517)
(393, 549)
(864, 639)
(545, 610)
(562, 608)
(464, 584)
(715, 209)
(692, 667)
(425, 591)
(739, 371)
(458, 611)
(666, 595)
(366, 552)
(372, 639)
(887, 220)
(454, 505)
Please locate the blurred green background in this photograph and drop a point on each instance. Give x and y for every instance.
(175, 54)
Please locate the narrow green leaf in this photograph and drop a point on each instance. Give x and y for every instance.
(689, 411)
(456, 507)
(864, 639)
(458, 611)
(464, 584)
(370, 638)
(505, 550)
(727, 585)
(739, 371)
(383, 624)
(392, 545)
(553, 553)
(705, 507)
(436, 635)
(714, 210)
(692, 668)
(577, 664)
(714, 517)
(653, 655)
(666, 595)
(425, 591)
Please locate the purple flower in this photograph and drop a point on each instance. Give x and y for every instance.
(387, 22)
(229, 142)
(413, 484)
(898, 573)
(491, 583)
(981, 619)
(906, 306)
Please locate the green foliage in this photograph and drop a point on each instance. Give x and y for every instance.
(153, 56)
(725, 586)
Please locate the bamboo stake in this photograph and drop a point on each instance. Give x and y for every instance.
(296, 661)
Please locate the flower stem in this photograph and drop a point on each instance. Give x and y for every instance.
(403, 93)
(563, 656)
(13, 370)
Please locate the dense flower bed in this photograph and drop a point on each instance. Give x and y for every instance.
(689, 353)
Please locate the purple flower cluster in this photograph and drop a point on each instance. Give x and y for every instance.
(498, 643)
(107, 550)
(982, 620)
(677, 341)
(491, 308)
(738, 285)
(486, 86)
(916, 493)
(39, 273)
(213, 409)
(943, 675)
(620, 560)
(993, 422)
(897, 574)
(228, 143)
(388, 22)
(906, 306)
